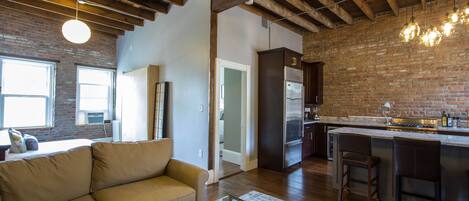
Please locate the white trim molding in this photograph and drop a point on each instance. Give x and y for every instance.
(247, 144)
(232, 156)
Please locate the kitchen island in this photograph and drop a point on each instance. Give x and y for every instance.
(454, 161)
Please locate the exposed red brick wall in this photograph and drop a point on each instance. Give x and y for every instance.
(31, 36)
(367, 64)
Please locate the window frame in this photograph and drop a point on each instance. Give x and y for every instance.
(111, 95)
(50, 100)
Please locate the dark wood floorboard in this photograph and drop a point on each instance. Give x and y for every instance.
(310, 181)
(227, 169)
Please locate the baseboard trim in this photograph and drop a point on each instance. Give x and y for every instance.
(211, 177)
(251, 164)
(232, 156)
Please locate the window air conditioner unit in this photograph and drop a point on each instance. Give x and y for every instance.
(95, 118)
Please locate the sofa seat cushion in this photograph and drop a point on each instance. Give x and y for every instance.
(57, 177)
(121, 163)
(84, 198)
(161, 188)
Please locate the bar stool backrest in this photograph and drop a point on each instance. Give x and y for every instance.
(353, 143)
(419, 159)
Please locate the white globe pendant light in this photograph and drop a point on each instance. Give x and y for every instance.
(75, 30)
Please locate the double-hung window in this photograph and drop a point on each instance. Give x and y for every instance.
(27, 93)
(95, 95)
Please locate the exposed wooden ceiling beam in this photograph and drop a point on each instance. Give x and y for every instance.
(365, 8)
(124, 8)
(177, 2)
(284, 12)
(71, 13)
(219, 6)
(160, 6)
(267, 16)
(394, 6)
(305, 7)
(56, 17)
(337, 10)
(100, 12)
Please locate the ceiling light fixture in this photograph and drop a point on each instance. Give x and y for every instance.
(447, 28)
(431, 37)
(455, 16)
(410, 30)
(75, 30)
(465, 14)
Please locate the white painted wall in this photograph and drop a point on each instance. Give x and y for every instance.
(179, 43)
(240, 37)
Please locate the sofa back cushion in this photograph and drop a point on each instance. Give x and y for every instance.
(56, 177)
(122, 163)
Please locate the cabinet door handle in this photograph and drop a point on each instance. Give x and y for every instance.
(316, 99)
(311, 136)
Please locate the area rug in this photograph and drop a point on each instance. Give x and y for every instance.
(258, 196)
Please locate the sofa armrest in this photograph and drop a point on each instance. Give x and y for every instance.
(190, 175)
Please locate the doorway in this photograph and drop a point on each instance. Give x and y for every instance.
(232, 90)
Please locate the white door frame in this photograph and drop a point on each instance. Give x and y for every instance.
(245, 117)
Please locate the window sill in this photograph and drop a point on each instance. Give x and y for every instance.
(103, 124)
(29, 128)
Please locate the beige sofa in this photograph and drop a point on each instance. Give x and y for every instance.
(141, 171)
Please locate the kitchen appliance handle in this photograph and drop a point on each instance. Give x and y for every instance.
(294, 143)
(303, 112)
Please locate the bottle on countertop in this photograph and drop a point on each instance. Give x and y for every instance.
(450, 121)
(467, 119)
(456, 122)
(444, 119)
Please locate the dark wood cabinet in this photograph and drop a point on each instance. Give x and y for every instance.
(314, 141)
(308, 142)
(320, 141)
(313, 82)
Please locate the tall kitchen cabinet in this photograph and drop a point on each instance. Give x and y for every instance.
(275, 151)
(313, 82)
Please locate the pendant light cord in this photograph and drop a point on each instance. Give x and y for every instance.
(76, 10)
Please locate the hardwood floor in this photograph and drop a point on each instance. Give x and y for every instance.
(227, 169)
(310, 181)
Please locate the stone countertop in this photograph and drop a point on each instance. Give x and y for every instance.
(448, 140)
(377, 124)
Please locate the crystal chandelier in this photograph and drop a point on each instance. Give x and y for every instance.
(410, 30)
(465, 14)
(456, 16)
(431, 37)
(447, 28)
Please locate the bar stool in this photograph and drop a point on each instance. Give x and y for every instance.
(355, 151)
(417, 159)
